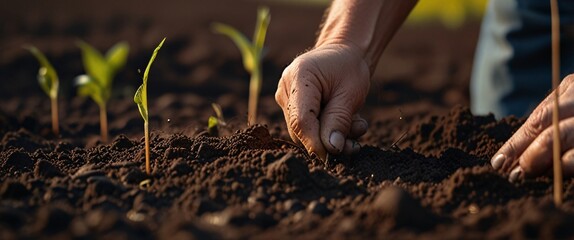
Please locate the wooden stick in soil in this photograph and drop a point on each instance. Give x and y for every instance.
(104, 123)
(147, 154)
(55, 125)
(555, 114)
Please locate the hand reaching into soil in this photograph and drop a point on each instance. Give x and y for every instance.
(528, 153)
(322, 90)
(320, 94)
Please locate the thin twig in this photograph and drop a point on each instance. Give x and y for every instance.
(555, 114)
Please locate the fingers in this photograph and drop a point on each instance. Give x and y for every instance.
(281, 97)
(337, 121)
(568, 163)
(319, 101)
(303, 109)
(538, 156)
(359, 127)
(537, 122)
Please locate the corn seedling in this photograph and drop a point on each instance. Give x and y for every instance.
(251, 52)
(97, 83)
(555, 114)
(214, 122)
(48, 79)
(140, 98)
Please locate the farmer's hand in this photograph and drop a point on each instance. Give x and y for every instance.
(529, 151)
(320, 94)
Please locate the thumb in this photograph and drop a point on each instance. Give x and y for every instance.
(336, 120)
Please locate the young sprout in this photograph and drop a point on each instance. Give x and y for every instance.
(214, 122)
(251, 52)
(49, 82)
(555, 22)
(140, 98)
(97, 83)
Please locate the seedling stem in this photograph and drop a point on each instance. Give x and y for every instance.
(147, 153)
(140, 98)
(252, 53)
(254, 89)
(100, 72)
(48, 79)
(104, 122)
(55, 120)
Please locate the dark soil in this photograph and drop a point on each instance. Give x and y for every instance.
(423, 171)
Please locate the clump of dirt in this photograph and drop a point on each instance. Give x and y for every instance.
(477, 135)
(250, 184)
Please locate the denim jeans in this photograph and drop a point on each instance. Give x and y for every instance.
(512, 67)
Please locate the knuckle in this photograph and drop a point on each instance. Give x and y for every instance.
(537, 122)
(279, 98)
(340, 114)
(568, 79)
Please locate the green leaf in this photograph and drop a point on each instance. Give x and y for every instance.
(217, 110)
(263, 19)
(47, 76)
(146, 72)
(140, 97)
(241, 41)
(212, 122)
(87, 86)
(116, 57)
(95, 64)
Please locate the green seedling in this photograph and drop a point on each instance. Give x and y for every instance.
(48, 79)
(214, 122)
(100, 71)
(252, 54)
(140, 98)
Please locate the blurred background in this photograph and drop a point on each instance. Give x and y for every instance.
(425, 68)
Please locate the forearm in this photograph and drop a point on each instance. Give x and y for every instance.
(367, 24)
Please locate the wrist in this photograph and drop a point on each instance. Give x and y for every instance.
(367, 25)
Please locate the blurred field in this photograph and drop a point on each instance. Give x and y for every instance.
(450, 13)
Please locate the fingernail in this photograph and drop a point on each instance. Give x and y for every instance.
(497, 161)
(337, 140)
(515, 174)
